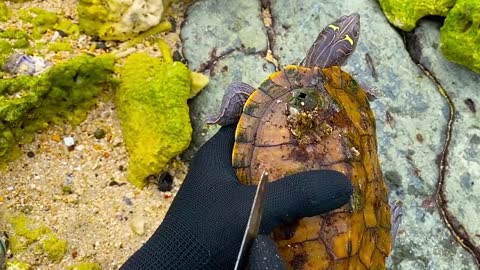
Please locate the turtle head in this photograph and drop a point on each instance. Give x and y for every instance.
(335, 43)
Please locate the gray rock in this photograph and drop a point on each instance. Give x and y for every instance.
(462, 181)
(410, 112)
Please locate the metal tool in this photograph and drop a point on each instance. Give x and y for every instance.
(253, 224)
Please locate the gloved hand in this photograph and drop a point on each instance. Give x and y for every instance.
(204, 226)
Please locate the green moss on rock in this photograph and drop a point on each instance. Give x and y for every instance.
(460, 34)
(59, 46)
(17, 265)
(152, 106)
(66, 91)
(43, 20)
(404, 14)
(54, 247)
(118, 20)
(4, 12)
(85, 266)
(38, 236)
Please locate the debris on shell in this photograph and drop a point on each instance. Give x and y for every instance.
(21, 64)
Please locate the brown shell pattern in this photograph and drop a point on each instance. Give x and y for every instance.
(357, 236)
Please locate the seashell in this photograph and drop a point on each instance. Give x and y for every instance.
(21, 64)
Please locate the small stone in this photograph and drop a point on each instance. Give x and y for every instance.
(62, 33)
(56, 138)
(69, 143)
(165, 182)
(127, 200)
(177, 57)
(99, 133)
(137, 223)
(30, 154)
(100, 45)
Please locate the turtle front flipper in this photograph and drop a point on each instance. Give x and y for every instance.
(232, 104)
(335, 43)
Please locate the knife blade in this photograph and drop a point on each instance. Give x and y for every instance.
(253, 224)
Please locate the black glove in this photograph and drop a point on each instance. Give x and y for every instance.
(204, 226)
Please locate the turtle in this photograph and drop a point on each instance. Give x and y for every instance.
(309, 116)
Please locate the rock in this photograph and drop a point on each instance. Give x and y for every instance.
(21, 64)
(165, 182)
(99, 133)
(239, 38)
(152, 106)
(66, 91)
(118, 20)
(408, 102)
(462, 185)
(404, 14)
(137, 223)
(460, 34)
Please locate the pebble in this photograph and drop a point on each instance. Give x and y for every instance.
(137, 223)
(165, 182)
(30, 154)
(69, 142)
(99, 133)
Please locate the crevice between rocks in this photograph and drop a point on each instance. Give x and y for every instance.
(268, 22)
(454, 226)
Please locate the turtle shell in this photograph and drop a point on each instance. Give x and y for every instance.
(338, 134)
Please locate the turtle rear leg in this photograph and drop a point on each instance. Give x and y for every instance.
(235, 97)
(335, 43)
(396, 213)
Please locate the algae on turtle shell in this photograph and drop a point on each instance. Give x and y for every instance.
(404, 14)
(460, 34)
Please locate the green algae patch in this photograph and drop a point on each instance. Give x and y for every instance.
(38, 237)
(112, 20)
(404, 14)
(65, 92)
(43, 21)
(460, 34)
(85, 266)
(4, 12)
(59, 46)
(152, 105)
(17, 265)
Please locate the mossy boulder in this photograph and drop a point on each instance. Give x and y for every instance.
(152, 105)
(65, 92)
(404, 14)
(460, 34)
(118, 20)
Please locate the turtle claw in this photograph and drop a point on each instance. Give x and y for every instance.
(396, 210)
(231, 108)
